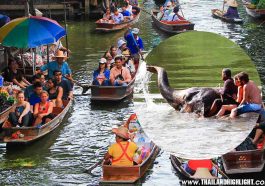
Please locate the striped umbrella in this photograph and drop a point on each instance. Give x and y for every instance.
(30, 32)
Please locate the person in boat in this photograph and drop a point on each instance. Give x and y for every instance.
(20, 115)
(102, 74)
(252, 101)
(122, 152)
(58, 64)
(65, 84)
(119, 75)
(232, 9)
(126, 14)
(113, 51)
(228, 93)
(128, 61)
(174, 15)
(109, 59)
(14, 75)
(35, 97)
(121, 46)
(117, 17)
(128, 7)
(133, 3)
(55, 92)
(192, 165)
(30, 89)
(135, 44)
(107, 16)
(259, 130)
(167, 10)
(160, 14)
(239, 98)
(43, 110)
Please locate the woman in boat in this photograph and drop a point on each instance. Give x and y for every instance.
(13, 74)
(232, 9)
(122, 152)
(43, 110)
(239, 98)
(107, 16)
(102, 74)
(21, 115)
(55, 92)
(126, 14)
(113, 51)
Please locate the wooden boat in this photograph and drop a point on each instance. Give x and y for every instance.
(130, 174)
(249, 161)
(252, 11)
(216, 13)
(4, 114)
(112, 93)
(110, 27)
(172, 27)
(178, 165)
(31, 134)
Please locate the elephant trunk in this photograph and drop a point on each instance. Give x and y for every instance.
(163, 84)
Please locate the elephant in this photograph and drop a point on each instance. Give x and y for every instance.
(196, 99)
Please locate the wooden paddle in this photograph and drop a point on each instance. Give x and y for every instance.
(89, 169)
(220, 171)
(84, 87)
(223, 8)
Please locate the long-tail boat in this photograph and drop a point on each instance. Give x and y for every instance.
(27, 135)
(216, 13)
(248, 161)
(200, 173)
(130, 174)
(172, 27)
(110, 27)
(252, 10)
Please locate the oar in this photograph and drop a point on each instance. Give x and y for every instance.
(218, 169)
(89, 169)
(84, 87)
(223, 8)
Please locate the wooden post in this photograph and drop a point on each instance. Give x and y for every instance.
(27, 8)
(87, 6)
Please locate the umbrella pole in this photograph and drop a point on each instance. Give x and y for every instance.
(65, 26)
(23, 62)
(27, 8)
(34, 63)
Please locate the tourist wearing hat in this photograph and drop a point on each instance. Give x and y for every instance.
(135, 44)
(60, 64)
(122, 152)
(174, 15)
(128, 62)
(232, 9)
(121, 44)
(119, 75)
(102, 74)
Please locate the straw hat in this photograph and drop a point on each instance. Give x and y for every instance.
(120, 43)
(59, 54)
(232, 3)
(121, 132)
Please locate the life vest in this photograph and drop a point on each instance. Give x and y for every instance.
(194, 164)
(124, 153)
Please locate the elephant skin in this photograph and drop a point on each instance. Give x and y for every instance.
(197, 99)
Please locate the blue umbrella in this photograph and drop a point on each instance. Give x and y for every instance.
(3, 19)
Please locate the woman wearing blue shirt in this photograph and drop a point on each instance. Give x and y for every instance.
(102, 74)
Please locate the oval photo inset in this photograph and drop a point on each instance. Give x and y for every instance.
(194, 59)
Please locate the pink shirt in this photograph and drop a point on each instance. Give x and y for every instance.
(114, 72)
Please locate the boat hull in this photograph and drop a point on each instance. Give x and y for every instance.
(241, 162)
(171, 28)
(255, 13)
(216, 13)
(128, 174)
(4, 114)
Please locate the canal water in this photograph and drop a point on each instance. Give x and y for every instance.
(60, 158)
